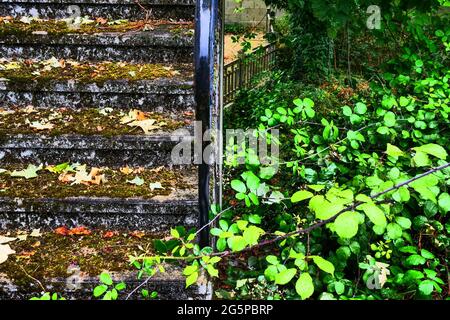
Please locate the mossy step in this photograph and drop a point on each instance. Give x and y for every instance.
(164, 43)
(68, 261)
(104, 122)
(112, 9)
(148, 151)
(67, 83)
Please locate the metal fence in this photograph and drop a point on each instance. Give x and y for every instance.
(239, 73)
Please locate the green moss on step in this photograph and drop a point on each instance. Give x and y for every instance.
(14, 27)
(47, 184)
(82, 121)
(52, 255)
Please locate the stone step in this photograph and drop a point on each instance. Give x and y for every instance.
(107, 198)
(149, 87)
(112, 9)
(163, 43)
(148, 151)
(68, 262)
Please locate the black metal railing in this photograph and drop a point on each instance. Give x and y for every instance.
(208, 67)
(239, 74)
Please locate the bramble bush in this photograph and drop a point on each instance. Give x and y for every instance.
(356, 207)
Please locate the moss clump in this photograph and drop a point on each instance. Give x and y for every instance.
(51, 255)
(48, 185)
(15, 27)
(89, 121)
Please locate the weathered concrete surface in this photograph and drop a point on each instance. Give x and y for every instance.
(158, 45)
(119, 9)
(127, 214)
(169, 285)
(146, 151)
(160, 95)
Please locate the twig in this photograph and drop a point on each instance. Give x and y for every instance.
(32, 278)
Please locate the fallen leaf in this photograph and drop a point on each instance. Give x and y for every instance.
(4, 239)
(137, 234)
(36, 233)
(63, 231)
(126, 170)
(80, 231)
(156, 185)
(109, 234)
(5, 251)
(28, 173)
(101, 20)
(146, 125)
(138, 181)
(36, 244)
(41, 126)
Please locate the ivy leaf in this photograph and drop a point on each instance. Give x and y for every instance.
(285, 276)
(360, 108)
(375, 214)
(301, 195)
(238, 186)
(346, 225)
(304, 286)
(323, 264)
(28, 173)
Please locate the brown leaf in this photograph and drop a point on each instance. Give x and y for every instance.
(80, 231)
(63, 231)
(126, 170)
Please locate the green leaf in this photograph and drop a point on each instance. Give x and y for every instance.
(426, 254)
(421, 159)
(433, 149)
(403, 222)
(120, 286)
(415, 260)
(394, 231)
(339, 287)
(426, 287)
(389, 119)
(360, 108)
(99, 290)
(304, 286)
(346, 225)
(267, 172)
(402, 195)
(238, 186)
(301, 195)
(375, 214)
(237, 243)
(347, 111)
(192, 279)
(138, 181)
(285, 276)
(323, 264)
(106, 278)
(444, 202)
(394, 151)
(29, 173)
(174, 233)
(252, 234)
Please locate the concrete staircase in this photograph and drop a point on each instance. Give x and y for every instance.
(66, 87)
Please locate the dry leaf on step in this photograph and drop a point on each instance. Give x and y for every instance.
(5, 251)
